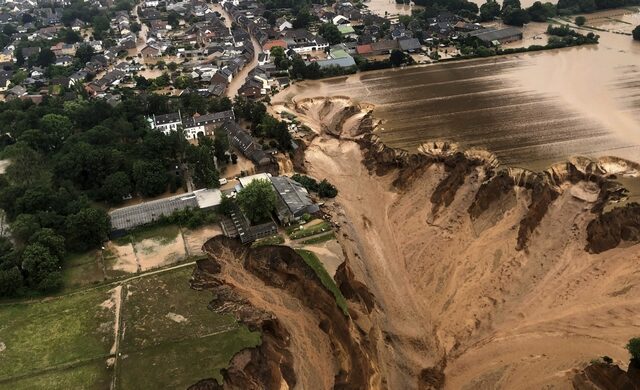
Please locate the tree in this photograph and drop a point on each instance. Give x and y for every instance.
(45, 58)
(636, 33)
(226, 205)
(150, 178)
(115, 187)
(330, 32)
(173, 19)
(9, 29)
(221, 146)
(515, 17)
(202, 165)
(302, 20)
(257, 200)
(100, 25)
(538, 12)
(87, 229)
(397, 57)
(513, 4)
(42, 268)
(633, 346)
(327, 190)
(489, 10)
(10, 281)
(84, 53)
(23, 227)
(57, 127)
(50, 240)
(580, 20)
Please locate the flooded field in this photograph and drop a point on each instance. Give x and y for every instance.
(530, 109)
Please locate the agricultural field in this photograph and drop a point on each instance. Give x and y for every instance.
(164, 330)
(68, 337)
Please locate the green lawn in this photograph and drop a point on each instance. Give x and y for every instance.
(169, 337)
(273, 240)
(172, 336)
(150, 303)
(312, 260)
(54, 332)
(177, 365)
(82, 269)
(164, 234)
(93, 375)
(309, 231)
(320, 239)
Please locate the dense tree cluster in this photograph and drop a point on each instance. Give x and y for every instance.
(577, 6)
(257, 200)
(67, 157)
(324, 188)
(263, 125)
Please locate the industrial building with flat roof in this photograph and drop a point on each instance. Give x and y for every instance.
(127, 218)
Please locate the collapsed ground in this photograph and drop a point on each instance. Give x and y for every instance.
(486, 301)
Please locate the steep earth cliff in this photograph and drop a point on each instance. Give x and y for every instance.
(483, 276)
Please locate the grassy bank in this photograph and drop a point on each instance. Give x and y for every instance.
(312, 260)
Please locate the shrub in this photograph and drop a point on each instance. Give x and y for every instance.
(633, 346)
(580, 20)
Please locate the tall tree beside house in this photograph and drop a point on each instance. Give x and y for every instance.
(330, 32)
(100, 24)
(45, 58)
(87, 228)
(200, 160)
(257, 200)
(397, 57)
(150, 178)
(84, 53)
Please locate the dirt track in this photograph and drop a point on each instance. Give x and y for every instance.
(456, 293)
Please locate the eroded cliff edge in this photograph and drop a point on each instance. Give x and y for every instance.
(307, 341)
(483, 257)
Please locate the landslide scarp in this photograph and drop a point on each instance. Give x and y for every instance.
(307, 341)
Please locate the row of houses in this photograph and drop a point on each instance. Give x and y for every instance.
(193, 127)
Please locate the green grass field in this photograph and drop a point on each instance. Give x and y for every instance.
(273, 240)
(172, 336)
(56, 332)
(82, 269)
(169, 338)
(312, 260)
(310, 231)
(176, 365)
(320, 238)
(89, 376)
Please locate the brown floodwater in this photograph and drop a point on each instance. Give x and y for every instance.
(531, 110)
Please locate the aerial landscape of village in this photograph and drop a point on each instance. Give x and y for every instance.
(319, 194)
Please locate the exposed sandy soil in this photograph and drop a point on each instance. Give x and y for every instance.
(309, 344)
(196, 238)
(454, 293)
(329, 253)
(152, 253)
(124, 258)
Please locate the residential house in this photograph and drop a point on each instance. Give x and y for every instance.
(166, 123)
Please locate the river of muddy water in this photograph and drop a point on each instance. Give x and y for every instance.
(531, 109)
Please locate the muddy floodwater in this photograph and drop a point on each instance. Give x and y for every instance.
(531, 110)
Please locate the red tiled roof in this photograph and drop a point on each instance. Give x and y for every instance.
(364, 49)
(278, 42)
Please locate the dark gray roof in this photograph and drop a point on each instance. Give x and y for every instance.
(167, 118)
(490, 35)
(294, 196)
(141, 214)
(409, 44)
(215, 117)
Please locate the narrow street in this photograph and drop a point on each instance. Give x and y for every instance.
(239, 80)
